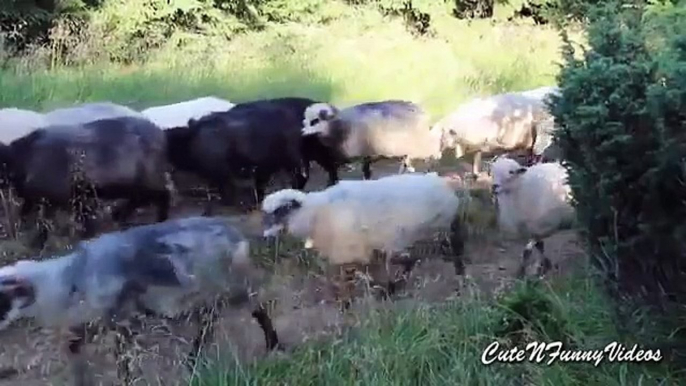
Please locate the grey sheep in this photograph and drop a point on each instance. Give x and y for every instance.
(375, 130)
(165, 269)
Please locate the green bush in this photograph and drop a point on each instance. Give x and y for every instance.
(622, 133)
(74, 31)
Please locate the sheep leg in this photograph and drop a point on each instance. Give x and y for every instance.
(476, 164)
(124, 336)
(79, 365)
(205, 318)
(28, 207)
(526, 257)
(162, 200)
(85, 216)
(299, 175)
(271, 338)
(345, 286)
(122, 213)
(332, 170)
(546, 264)
(378, 270)
(27, 210)
(261, 181)
(227, 192)
(298, 180)
(48, 214)
(333, 177)
(406, 166)
(306, 170)
(123, 340)
(367, 168)
(456, 240)
(406, 261)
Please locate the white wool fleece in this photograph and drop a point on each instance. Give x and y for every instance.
(533, 203)
(178, 114)
(16, 123)
(388, 214)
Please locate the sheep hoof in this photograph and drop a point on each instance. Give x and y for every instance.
(345, 306)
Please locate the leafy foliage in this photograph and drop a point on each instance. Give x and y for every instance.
(530, 314)
(622, 121)
(124, 30)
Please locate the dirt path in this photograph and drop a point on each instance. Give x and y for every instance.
(303, 310)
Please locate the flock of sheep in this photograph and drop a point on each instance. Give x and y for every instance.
(74, 157)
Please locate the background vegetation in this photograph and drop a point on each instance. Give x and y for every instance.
(622, 134)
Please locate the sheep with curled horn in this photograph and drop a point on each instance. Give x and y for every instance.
(366, 221)
(71, 167)
(498, 124)
(372, 131)
(196, 265)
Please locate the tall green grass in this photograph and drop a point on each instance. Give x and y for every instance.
(420, 344)
(362, 57)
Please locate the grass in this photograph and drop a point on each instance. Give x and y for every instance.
(413, 344)
(360, 58)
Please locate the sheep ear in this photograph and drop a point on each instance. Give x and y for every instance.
(323, 114)
(326, 114)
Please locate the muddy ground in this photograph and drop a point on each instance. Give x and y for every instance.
(303, 309)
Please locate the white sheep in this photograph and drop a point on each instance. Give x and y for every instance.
(166, 269)
(178, 114)
(16, 123)
(374, 130)
(350, 221)
(88, 112)
(500, 123)
(533, 202)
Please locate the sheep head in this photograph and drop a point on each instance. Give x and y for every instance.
(506, 172)
(317, 117)
(278, 207)
(15, 295)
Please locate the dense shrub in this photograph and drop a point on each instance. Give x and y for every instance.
(622, 131)
(124, 30)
